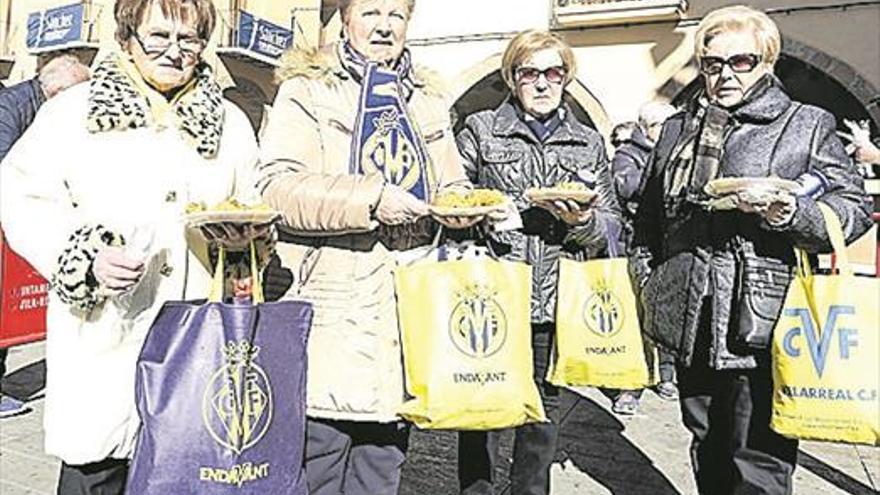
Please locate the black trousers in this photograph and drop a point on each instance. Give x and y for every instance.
(534, 445)
(3, 352)
(106, 477)
(354, 458)
(734, 451)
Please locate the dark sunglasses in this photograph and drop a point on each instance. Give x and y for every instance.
(740, 63)
(529, 75)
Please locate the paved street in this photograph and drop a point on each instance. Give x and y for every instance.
(599, 452)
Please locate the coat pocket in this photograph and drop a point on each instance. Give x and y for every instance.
(502, 162)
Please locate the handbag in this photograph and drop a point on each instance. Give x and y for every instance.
(761, 285)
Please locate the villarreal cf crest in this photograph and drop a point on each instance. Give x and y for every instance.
(386, 141)
(478, 325)
(603, 312)
(237, 404)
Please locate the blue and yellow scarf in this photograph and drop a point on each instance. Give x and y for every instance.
(386, 140)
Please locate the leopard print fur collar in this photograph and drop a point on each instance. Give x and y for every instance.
(116, 104)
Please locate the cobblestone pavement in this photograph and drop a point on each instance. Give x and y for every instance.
(599, 453)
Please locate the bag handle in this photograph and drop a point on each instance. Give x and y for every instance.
(835, 234)
(838, 243)
(218, 282)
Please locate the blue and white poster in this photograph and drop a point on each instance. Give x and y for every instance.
(262, 37)
(55, 27)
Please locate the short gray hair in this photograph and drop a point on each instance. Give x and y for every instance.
(655, 112)
(61, 73)
(345, 6)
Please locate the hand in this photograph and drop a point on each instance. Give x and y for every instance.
(116, 271)
(458, 223)
(570, 212)
(776, 211)
(398, 206)
(235, 236)
(242, 287)
(861, 132)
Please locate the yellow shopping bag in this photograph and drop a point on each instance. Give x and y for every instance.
(598, 340)
(826, 368)
(467, 344)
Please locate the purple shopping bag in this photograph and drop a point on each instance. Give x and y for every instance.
(221, 394)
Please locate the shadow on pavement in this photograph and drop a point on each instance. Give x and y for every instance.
(833, 475)
(26, 383)
(592, 439)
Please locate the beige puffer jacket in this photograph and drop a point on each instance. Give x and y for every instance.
(340, 259)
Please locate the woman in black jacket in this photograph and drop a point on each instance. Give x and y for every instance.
(534, 140)
(689, 256)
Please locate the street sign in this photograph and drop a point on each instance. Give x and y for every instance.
(261, 36)
(55, 27)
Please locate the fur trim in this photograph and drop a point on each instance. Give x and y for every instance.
(322, 64)
(74, 281)
(116, 104)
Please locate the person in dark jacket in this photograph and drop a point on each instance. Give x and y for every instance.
(627, 167)
(632, 154)
(18, 107)
(534, 140)
(688, 256)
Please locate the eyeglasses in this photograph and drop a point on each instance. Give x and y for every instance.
(529, 75)
(740, 63)
(157, 44)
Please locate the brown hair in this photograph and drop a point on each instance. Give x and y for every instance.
(345, 6)
(525, 44)
(129, 15)
(737, 18)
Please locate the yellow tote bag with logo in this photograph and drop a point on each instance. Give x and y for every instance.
(467, 344)
(598, 339)
(826, 367)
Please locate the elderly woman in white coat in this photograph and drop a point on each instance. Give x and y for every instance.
(93, 195)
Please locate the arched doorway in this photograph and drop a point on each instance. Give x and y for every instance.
(251, 99)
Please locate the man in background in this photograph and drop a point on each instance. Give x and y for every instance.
(18, 107)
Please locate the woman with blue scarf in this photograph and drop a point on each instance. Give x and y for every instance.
(358, 142)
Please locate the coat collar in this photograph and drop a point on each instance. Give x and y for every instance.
(38, 97)
(324, 65)
(764, 102)
(118, 102)
(509, 122)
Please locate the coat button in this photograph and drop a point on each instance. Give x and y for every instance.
(166, 270)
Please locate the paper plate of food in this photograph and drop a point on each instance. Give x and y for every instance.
(735, 185)
(229, 211)
(573, 191)
(473, 203)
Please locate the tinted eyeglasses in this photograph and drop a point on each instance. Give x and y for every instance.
(529, 75)
(157, 44)
(740, 63)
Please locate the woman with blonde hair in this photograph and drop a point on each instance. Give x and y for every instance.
(696, 263)
(534, 139)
